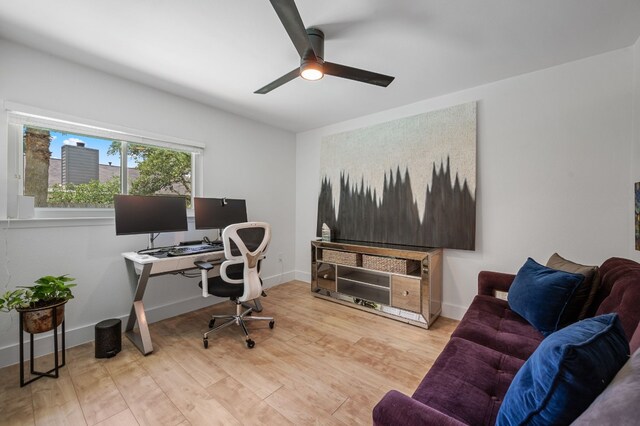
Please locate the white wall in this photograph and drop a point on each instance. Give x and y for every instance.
(243, 159)
(553, 170)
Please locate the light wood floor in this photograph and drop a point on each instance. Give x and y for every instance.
(323, 363)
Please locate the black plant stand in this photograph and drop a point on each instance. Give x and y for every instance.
(54, 371)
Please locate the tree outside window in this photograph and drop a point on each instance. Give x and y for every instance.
(71, 170)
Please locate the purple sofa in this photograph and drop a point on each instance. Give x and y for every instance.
(466, 384)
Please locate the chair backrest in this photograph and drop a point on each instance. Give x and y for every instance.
(247, 242)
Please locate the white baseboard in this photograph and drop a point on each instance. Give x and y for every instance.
(453, 311)
(303, 276)
(278, 279)
(43, 343)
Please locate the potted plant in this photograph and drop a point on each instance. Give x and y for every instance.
(37, 302)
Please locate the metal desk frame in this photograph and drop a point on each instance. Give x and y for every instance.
(142, 267)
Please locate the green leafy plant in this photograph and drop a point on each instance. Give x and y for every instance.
(48, 290)
(161, 170)
(92, 194)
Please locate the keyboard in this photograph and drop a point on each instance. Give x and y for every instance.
(195, 249)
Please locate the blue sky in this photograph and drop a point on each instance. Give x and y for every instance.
(58, 139)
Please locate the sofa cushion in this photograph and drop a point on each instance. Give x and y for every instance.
(566, 373)
(583, 296)
(619, 292)
(468, 381)
(540, 294)
(619, 403)
(490, 322)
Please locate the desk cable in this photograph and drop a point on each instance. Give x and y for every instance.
(188, 275)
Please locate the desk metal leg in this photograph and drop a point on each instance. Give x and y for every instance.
(141, 338)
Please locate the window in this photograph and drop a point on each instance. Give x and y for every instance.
(72, 166)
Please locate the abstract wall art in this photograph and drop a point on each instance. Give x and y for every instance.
(410, 181)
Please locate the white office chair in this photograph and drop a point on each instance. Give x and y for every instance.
(239, 280)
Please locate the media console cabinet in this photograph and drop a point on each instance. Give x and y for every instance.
(399, 282)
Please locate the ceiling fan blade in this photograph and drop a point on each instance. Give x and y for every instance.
(292, 22)
(351, 73)
(279, 82)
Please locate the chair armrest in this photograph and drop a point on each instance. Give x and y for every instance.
(223, 271)
(396, 408)
(207, 266)
(204, 267)
(489, 282)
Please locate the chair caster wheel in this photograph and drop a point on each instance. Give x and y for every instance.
(271, 323)
(212, 323)
(205, 342)
(250, 343)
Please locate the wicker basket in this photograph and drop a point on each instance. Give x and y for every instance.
(389, 264)
(340, 257)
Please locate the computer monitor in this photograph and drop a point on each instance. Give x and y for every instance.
(218, 213)
(144, 214)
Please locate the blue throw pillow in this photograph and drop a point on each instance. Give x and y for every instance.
(540, 294)
(566, 373)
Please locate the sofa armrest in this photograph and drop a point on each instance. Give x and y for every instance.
(489, 282)
(396, 408)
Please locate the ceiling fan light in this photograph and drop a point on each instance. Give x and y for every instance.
(311, 71)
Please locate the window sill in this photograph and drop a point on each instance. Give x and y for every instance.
(57, 222)
(60, 222)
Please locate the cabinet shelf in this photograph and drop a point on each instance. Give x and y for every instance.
(364, 276)
(364, 283)
(364, 291)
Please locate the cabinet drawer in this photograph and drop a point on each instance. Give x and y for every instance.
(405, 293)
(327, 276)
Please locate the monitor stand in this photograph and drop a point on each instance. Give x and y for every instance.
(206, 240)
(151, 240)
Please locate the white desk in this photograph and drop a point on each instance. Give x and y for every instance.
(140, 268)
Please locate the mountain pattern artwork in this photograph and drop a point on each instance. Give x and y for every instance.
(393, 217)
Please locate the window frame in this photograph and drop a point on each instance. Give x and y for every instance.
(19, 116)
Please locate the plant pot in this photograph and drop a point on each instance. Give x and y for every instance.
(39, 320)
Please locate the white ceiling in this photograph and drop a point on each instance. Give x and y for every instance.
(219, 52)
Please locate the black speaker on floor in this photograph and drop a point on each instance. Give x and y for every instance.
(108, 338)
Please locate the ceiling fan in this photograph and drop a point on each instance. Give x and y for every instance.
(310, 46)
